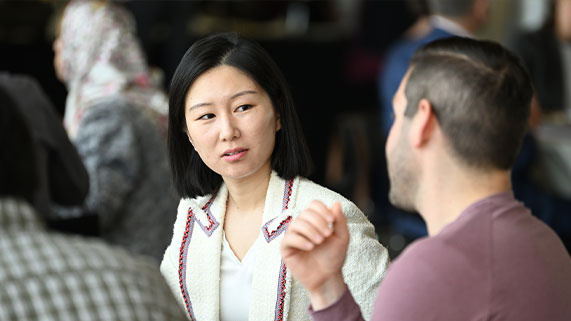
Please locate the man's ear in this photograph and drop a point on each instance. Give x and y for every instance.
(423, 123)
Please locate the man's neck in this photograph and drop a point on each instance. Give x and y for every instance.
(446, 197)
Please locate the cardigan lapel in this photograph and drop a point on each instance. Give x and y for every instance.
(202, 245)
(271, 282)
(203, 256)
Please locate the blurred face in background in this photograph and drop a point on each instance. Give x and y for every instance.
(58, 59)
(563, 20)
(481, 12)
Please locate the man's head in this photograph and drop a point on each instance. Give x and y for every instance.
(478, 95)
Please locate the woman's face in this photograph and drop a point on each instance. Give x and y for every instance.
(231, 122)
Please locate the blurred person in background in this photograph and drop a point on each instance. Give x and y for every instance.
(62, 178)
(421, 25)
(547, 55)
(51, 276)
(238, 159)
(446, 18)
(116, 118)
(437, 19)
(543, 178)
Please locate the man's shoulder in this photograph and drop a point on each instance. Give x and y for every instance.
(427, 273)
(427, 249)
(431, 261)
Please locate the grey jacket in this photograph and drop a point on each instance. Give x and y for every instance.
(130, 187)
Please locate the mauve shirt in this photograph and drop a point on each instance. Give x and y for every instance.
(495, 262)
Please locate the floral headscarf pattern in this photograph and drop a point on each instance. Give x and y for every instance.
(102, 57)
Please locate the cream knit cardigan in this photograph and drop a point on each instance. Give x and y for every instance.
(191, 264)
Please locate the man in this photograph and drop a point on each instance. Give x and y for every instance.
(447, 18)
(48, 276)
(461, 112)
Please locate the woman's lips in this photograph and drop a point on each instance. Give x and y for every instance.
(234, 154)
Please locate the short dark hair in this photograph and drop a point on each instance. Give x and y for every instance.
(480, 94)
(290, 156)
(17, 157)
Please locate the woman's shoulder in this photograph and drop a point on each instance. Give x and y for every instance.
(195, 202)
(309, 191)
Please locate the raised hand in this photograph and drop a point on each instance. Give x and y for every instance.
(314, 249)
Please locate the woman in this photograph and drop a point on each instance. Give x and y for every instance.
(114, 116)
(238, 156)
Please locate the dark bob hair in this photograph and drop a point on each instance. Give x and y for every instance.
(290, 156)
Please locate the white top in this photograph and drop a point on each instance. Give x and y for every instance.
(236, 282)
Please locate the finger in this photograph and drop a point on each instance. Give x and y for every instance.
(340, 219)
(320, 208)
(337, 211)
(318, 221)
(294, 242)
(306, 229)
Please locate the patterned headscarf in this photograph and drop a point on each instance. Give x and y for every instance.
(102, 57)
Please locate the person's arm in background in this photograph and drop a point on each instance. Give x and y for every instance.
(108, 145)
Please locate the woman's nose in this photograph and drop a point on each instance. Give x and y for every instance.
(229, 130)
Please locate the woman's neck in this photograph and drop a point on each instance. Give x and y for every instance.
(248, 195)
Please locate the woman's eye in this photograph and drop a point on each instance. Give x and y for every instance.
(243, 107)
(206, 116)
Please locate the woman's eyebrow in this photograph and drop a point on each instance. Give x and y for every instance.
(199, 105)
(242, 93)
(236, 95)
